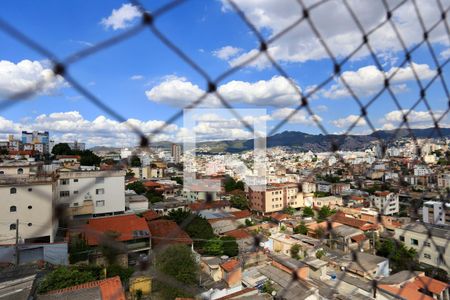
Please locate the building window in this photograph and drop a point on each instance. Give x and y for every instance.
(30, 189)
(64, 181)
(12, 227)
(12, 190)
(29, 224)
(75, 180)
(30, 207)
(100, 203)
(427, 256)
(99, 191)
(99, 180)
(12, 208)
(2, 172)
(428, 244)
(64, 193)
(402, 238)
(19, 171)
(75, 192)
(414, 242)
(75, 204)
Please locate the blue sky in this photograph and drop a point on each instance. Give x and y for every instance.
(146, 82)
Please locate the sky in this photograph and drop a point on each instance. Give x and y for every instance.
(146, 83)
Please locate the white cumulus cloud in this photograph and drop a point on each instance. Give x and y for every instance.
(348, 121)
(226, 52)
(179, 92)
(27, 76)
(122, 17)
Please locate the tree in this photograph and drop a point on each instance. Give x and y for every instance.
(135, 161)
(178, 215)
(64, 277)
(401, 258)
(78, 249)
(319, 232)
(130, 174)
(239, 185)
(229, 246)
(302, 229)
(122, 272)
(289, 210)
(268, 287)
(320, 253)
(61, 149)
(179, 180)
(137, 186)
(229, 184)
(154, 196)
(325, 212)
(213, 247)
(4, 151)
(239, 202)
(88, 158)
(308, 212)
(178, 262)
(295, 251)
(199, 228)
(248, 222)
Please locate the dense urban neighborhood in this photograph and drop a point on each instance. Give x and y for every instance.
(120, 224)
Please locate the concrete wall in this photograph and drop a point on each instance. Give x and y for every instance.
(52, 253)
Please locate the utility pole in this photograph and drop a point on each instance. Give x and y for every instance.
(17, 242)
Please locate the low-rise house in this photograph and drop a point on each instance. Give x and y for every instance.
(211, 265)
(330, 201)
(366, 265)
(136, 203)
(346, 238)
(130, 230)
(412, 285)
(232, 272)
(342, 218)
(163, 208)
(244, 239)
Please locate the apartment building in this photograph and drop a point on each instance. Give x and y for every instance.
(416, 235)
(176, 153)
(92, 193)
(276, 197)
(37, 137)
(436, 212)
(27, 204)
(443, 181)
(386, 202)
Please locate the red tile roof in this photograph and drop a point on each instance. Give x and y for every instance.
(238, 234)
(125, 225)
(352, 222)
(241, 214)
(279, 216)
(240, 293)
(150, 215)
(151, 184)
(230, 265)
(382, 193)
(110, 288)
(166, 232)
(359, 238)
(433, 285)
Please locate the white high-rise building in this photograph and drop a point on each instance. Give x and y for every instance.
(436, 212)
(176, 153)
(386, 202)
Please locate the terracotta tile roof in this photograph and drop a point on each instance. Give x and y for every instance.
(359, 238)
(230, 265)
(352, 222)
(238, 234)
(126, 225)
(236, 294)
(165, 232)
(150, 215)
(241, 214)
(151, 184)
(357, 198)
(433, 285)
(279, 216)
(201, 205)
(407, 291)
(110, 288)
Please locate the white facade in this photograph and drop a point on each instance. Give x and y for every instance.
(421, 170)
(125, 153)
(435, 212)
(387, 203)
(106, 190)
(30, 200)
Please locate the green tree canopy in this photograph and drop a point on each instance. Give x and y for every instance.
(401, 257)
(135, 161)
(308, 212)
(213, 247)
(239, 202)
(302, 229)
(64, 277)
(295, 251)
(178, 262)
(137, 186)
(61, 149)
(229, 246)
(325, 212)
(154, 196)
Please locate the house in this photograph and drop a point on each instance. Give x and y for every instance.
(106, 289)
(330, 201)
(346, 238)
(136, 203)
(412, 285)
(232, 272)
(211, 266)
(130, 230)
(323, 186)
(167, 232)
(366, 265)
(282, 243)
(342, 218)
(386, 202)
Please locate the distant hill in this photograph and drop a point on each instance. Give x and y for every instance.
(320, 142)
